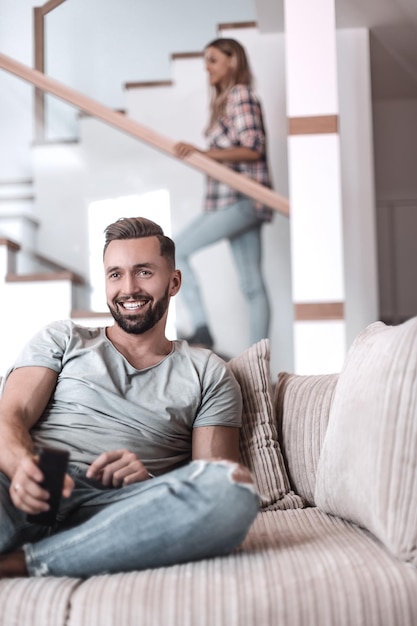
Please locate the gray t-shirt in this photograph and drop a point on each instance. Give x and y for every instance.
(103, 403)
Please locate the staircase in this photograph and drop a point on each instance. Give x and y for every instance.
(76, 179)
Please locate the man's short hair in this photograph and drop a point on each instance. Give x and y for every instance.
(136, 228)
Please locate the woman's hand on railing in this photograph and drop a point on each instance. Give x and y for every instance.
(183, 150)
(207, 165)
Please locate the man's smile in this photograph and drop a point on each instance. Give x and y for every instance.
(132, 305)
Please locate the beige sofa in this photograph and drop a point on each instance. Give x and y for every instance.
(346, 442)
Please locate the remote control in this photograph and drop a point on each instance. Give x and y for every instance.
(53, 465)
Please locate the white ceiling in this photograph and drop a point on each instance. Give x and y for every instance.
(393, 28)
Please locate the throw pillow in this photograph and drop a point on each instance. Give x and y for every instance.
(367, 471)
(259, 447)
(302, 406)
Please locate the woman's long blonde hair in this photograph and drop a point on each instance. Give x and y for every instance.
(240, 75)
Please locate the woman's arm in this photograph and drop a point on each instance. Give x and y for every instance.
(236, 153)
(245, 127)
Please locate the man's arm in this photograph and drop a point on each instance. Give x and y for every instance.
(119, 468)
(215, 442)
(25, 396)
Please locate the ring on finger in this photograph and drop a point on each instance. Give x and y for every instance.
(17, 486)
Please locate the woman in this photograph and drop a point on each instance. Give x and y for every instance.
(236, 138)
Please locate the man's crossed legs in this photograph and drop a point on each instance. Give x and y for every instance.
(199, 511)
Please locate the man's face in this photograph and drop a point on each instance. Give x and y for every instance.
(139, 283)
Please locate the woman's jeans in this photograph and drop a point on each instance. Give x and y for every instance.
(242, 227)
(195, 512)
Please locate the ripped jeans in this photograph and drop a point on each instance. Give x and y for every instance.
(198, 511)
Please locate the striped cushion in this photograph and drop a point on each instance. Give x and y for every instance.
(367, 472)
(259, 447)
(35, 601)
(302, 405)
(296, 568)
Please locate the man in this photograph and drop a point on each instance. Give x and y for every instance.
(152, 427)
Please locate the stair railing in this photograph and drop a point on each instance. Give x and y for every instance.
(204, 164)
(39, 56)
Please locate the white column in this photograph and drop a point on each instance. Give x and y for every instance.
(315, 186)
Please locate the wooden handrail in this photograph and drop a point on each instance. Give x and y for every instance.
(199, 161)
(11, 245)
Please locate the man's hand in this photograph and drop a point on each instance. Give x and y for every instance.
(118, 469)
(25, 489)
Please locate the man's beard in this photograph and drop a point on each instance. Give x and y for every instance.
(138, 323)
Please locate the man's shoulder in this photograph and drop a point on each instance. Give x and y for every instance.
(197, 354)
(220, 401)
(210, 366)
(69, 327)
(63, 335)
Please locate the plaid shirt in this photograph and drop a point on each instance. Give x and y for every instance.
(242, 125)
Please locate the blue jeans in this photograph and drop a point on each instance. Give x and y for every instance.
(242, 227)
(195, 512)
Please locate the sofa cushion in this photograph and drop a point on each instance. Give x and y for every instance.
(295, 568)
(259, 447)
(367, 472)
(43, 601)
(302, 406)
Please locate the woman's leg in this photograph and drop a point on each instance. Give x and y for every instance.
(205, 230)
(247, 252)
(199, 511)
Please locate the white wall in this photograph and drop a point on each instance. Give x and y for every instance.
(29, 314)
(16, 95)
